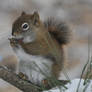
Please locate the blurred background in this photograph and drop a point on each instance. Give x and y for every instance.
(76, 13)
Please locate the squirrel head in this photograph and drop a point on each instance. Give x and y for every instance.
(26, 27)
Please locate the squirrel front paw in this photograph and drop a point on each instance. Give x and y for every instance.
(13, 42)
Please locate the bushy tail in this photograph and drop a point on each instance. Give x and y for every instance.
(59, 30)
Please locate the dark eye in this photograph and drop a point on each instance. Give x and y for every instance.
(25, 26)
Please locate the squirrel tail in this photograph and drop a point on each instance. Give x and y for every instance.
(59, 30)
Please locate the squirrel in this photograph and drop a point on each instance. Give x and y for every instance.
(39, 46)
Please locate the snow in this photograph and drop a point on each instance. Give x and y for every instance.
(72, 87)
(7, 87)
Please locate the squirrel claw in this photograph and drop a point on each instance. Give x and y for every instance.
(23, 76)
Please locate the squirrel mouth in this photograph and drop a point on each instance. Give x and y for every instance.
(17, 39)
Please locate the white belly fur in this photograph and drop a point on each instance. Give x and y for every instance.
(35, 67)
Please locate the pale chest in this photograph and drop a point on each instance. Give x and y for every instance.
(34, 66)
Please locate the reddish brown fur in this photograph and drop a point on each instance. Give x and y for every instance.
(49, 34)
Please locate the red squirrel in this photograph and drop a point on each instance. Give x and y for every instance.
(39, 46)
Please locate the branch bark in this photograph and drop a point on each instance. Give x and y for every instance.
(14, 79)
(23, 85)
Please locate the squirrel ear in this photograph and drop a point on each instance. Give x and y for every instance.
(36, 17)
(23, 13)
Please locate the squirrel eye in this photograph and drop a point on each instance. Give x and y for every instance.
(25, 26)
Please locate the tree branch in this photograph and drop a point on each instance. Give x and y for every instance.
(14, 79)
(24, 85)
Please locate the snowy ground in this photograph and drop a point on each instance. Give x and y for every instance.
(73, 86)
(6, 87)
